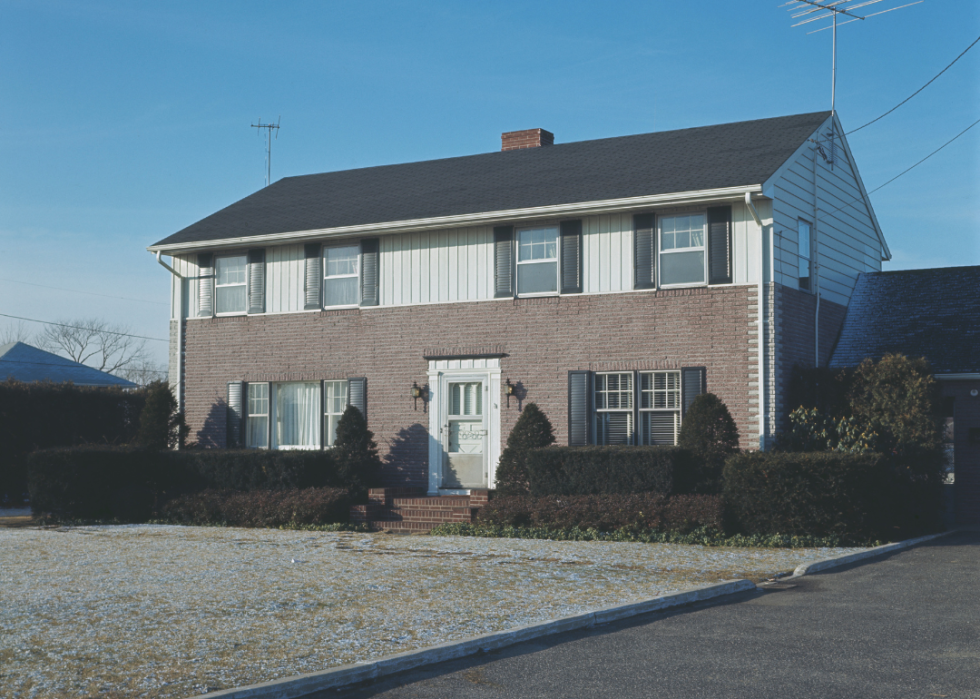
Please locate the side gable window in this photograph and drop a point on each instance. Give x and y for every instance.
(804, 253)
(682, 250)
(341, 271)
(230, 284)
(537, 261)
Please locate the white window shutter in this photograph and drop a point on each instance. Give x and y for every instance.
(311, 255)
(357, 394)
(256, 281)
(236, 412)
(205, 285)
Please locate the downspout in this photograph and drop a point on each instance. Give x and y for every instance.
(762, 357)
(815, 279)
(180, 331)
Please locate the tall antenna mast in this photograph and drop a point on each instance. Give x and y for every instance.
(268, 152)
(830, 9)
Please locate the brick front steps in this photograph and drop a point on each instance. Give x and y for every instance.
(408, 510)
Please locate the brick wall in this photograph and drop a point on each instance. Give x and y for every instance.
(543, 339)
(529, 138)
(966, 415)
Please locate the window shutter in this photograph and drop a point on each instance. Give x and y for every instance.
(311, 253)
(357, 394)
(692, 385)
(720, 245)
(205, 285)
(256, 281)
(644, 252)
(579, 407)
(369, 271)
(571, 257)
(503, 262)
(236, 390)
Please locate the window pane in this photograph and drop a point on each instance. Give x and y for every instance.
(682, 268)
(330, 428)
(297, 415)
(230, 299)
(340, 292)
(537, 278)
(230, 270)
(341, 260)
(659, 427)
(336, 397)
(537, 244)
(257, 431)
(615, 428)
(258, 399)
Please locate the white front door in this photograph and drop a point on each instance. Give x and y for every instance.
(464, 433)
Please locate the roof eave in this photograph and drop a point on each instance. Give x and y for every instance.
(477, 219)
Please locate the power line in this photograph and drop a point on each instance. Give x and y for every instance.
(919, 90)
(78, 327)
(90, 293)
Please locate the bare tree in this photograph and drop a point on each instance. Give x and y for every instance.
(98, 343)
(143, 372)
(16, 333)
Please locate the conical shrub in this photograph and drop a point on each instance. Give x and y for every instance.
(532, 430)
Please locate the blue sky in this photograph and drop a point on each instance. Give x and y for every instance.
(124, 122)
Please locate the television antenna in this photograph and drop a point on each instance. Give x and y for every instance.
(812, 11)
(268, 152)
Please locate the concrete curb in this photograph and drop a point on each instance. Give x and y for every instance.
(300, 685)
(817, 566)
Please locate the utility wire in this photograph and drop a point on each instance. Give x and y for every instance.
(919, 90)
(78, 327)
(90, 293)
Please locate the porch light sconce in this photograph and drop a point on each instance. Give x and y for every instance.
(416, 393)
(508, 391)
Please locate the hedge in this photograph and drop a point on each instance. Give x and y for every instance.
(259, 508)
(642, 511)
(608, 470)
(44, 415)
(828, 494)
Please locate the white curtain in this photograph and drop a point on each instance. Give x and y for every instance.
(298, 415)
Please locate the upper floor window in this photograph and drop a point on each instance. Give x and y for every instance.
(804, 253)
(229, 284)
(340, 275)
(537, 261)
(682, 250)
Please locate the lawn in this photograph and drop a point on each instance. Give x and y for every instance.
(163, 611)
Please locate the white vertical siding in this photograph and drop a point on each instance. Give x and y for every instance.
(284, 279)
(186, 266)
(846, 241)
(607, 253)
(746, 240)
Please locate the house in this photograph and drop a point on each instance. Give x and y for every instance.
(609, 281)
(22, 362)
(931, 313)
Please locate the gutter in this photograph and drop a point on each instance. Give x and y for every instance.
(179, 385)
(762, 357)
(483, 218)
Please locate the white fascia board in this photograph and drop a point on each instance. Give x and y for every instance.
(483, 218)
(958, 377)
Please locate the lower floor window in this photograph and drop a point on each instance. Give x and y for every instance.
(283, 415)
(637, 407)
(334, 404)
(660, 407)
(614, 408)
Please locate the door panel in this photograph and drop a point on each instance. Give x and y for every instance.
(465, 436)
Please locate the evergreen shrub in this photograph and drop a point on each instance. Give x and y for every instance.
(259, 508)
(355, 454)
(709, 432)
(161, 424)
(532, 430)
(623, 470)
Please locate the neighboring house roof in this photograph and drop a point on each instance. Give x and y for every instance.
(931, 313)
(29, 364)
(705, 158)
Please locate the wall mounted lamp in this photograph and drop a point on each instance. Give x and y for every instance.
(508, 391)
(416, 391)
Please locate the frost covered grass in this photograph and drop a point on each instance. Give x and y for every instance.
(168, 611)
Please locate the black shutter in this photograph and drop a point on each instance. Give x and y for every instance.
(692, 385)
(503, 262)
(369, 271)
(579, 408)
(236, 389)
(571, 257)
(311, 255)
(357, 394)
(256, 281)
(205, 285)
(644, 252)
(720, 245)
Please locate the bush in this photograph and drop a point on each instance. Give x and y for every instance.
(646, 511)
(355, 454)
(825, 494)
(605, 470)
(810, 431)
(257, 469)
(531, 431)
(161, 424)
(709, 432)
(260, 508)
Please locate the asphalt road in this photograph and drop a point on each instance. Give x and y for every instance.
(904, 625)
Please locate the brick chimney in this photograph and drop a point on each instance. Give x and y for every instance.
(529, 138)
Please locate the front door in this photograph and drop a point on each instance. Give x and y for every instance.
(465, 435)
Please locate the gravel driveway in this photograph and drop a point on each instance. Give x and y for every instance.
(162, 611)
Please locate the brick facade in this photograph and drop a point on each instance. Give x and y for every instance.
(966, 415)
(542, 339)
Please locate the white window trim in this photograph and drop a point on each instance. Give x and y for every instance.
(267, 414)
(273, 399)
(631, 411)
(323, 406)
(556, 260)
(703, 248)
(653, 393)
(323, 282)
(215, 285)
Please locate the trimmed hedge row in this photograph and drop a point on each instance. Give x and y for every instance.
(259, 508)
(644, 511)
(608, 470)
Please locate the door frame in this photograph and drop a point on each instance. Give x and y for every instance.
(440, 373)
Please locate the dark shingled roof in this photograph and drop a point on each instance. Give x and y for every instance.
(931, 313)
(708, 157)
(29, 364)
